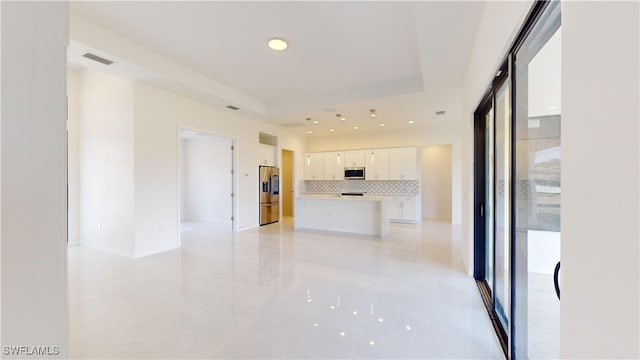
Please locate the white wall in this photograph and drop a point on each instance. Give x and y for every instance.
(206, 180)
(156, 175)
(448, 134)
(498, 27)
(74, 76)
(169, 111)
(600, 315)
(435, 181)
(106, 163)
(33, 171)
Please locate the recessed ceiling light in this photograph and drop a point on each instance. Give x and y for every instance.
(381, 125)
(316, 122)
(373, 112)
(343, 118)
(309, 132)
(411, 121)
(332, 130)
(277, 44)
(355, 128)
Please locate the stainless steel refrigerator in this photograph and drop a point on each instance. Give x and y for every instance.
(269, 194)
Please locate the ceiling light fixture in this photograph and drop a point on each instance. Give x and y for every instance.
(373, 113)
(309, 132)
(411, 121)
(381, 125)
(355, 128)
(332, 130)
(342, 118)
(277, 44)
(316, 122)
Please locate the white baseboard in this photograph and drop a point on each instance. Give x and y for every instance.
(110, 251)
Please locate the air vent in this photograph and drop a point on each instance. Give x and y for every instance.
(97, 58)
(234, 108)
(441, 112)
(292, 125)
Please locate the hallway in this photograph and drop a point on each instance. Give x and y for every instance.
(270, 292)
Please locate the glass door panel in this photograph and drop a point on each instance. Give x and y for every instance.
(488, 205)
(537, 65)
(502, 224)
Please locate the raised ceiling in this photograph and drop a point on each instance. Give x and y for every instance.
(341, 55)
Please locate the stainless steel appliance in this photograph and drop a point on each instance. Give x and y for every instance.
(269, 194)
(354, 173)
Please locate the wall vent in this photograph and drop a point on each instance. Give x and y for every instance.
(234, 108)
(441, 112)
(97, 58)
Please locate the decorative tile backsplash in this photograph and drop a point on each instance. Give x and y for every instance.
(378, 187)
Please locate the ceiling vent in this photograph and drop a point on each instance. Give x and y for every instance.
(234, 108)
(292, 125)
(441, 112)
(97, 58)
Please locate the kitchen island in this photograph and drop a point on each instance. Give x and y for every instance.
(366, 215)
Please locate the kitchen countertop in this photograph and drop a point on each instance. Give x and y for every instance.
(337, 195)
(334, 196)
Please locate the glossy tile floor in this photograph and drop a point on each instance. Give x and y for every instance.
(271, 292)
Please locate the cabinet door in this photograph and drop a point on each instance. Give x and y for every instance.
(403, 164)
(267, 155)
(334, 166)
(377, 164)
(409, 210)
(396, 168)
(395, 209)
(410, 164)
(354, 158)
(314, 166)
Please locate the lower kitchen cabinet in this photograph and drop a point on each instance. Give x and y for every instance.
(403, 209)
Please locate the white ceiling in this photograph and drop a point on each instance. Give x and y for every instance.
(348, 56)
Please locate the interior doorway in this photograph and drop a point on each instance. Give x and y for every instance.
(206, 183)
(287, 183)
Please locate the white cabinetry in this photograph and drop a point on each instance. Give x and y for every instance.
(376, 164)
(314, 166)
(403, 164)
(267, 155)
(354, 158)
(334, 166)
(403, 209)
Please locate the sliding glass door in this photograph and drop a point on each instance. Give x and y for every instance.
(502, 222)
(517, 191)
(537, 193)
(493, 203)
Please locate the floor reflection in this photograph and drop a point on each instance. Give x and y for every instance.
(271, 292)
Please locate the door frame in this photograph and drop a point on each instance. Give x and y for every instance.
(234, 183)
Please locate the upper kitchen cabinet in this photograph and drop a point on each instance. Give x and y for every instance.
(334, 166)
(354, 158)
(314, 166)
(267, 155)
(377, 164)
(403, 164)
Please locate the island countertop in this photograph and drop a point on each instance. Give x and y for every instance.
(368, 214)
(335, 196)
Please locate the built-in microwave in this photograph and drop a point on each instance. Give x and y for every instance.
(354, 173)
